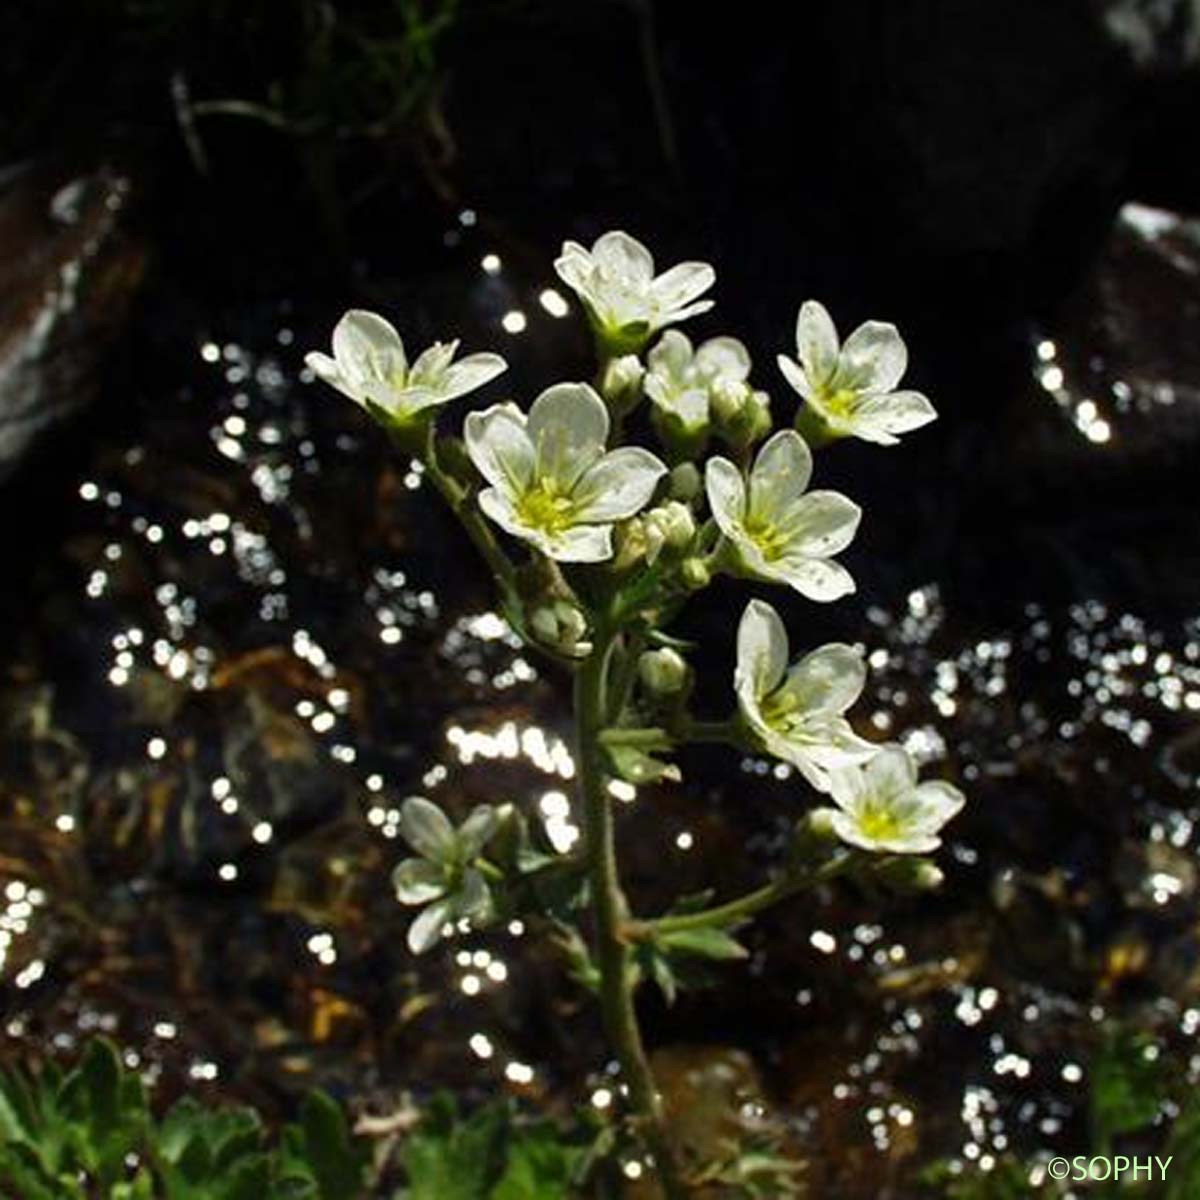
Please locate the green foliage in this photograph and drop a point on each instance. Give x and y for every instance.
(1008, 1181)
(90, 1133)
(488, 1156)
(1128, 1086)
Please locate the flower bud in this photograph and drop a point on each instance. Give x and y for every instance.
(562, 626)
(744, 415)
(662, 672)
(695, 574)
(622, 383)
(728, 397)
(670, 526)
(818, 825)
(685, 482)
(632, 543)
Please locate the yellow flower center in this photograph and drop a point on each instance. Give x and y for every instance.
(542, 507)
(838, 404)
(770, 541)
(880, 822)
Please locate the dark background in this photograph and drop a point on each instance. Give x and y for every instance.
(192, 193)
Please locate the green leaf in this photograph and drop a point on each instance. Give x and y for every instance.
(708, 942)
(540, 1166)
(638, 767)
(1128, 1086)
(337, 1163)
(663, 975)
(448, 1159)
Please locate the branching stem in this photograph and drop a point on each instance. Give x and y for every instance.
(611, 913)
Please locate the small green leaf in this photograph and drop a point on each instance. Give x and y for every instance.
(708, 942)
(329, 1148)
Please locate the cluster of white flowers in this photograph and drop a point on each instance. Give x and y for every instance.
(549, 478)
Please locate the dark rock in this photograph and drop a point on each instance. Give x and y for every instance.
(68, 270)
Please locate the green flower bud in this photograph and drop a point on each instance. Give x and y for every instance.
(695, 574)
(728, 397)
(622, 383)
(561, 626)
(685, 482)
(662, 672)
(818, 825)
(743, 415)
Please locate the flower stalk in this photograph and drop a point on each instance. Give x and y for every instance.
(611, 911)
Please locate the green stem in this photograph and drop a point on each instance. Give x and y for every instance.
(745, 906)
(471, 519)
(611, 912)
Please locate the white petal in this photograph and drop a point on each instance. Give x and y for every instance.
(671, 356)
(891, 772)
(873, 359)
(691, 407)
(673, 290)
(499, 507)
(762, 649)
(427, 830)
(819, 579)
(819, 524)
(895, 412)
(828, 679)
(723, 358)
(472, 372)
(326, 369)
(623, 257)
(568, 426)
(431, 365)
(498, 444)
(816, 344)
(795, 374)
(682, 314)
(574, 266)
(476, 831)
(618, 486)
(939, 802)
(848, 787)
(417, 881)
(726, 491)
(424, 932)
(580, 543)
(368, 347)
(780, 474)
(833, 745)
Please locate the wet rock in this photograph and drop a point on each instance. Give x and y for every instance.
(1159, 35)
(1122, 362)
(68, 270)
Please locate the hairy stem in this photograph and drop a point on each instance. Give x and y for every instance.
(745, 906)
(471, 519)
(610, 911)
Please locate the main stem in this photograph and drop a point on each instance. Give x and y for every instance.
(611, 910)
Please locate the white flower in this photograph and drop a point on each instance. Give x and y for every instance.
(778, 531)
(851, 387)
(369, 366)
(797, 714)
(881, 806)
(443, 878)
(625, 300)
(551, 481)
(681, 381)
